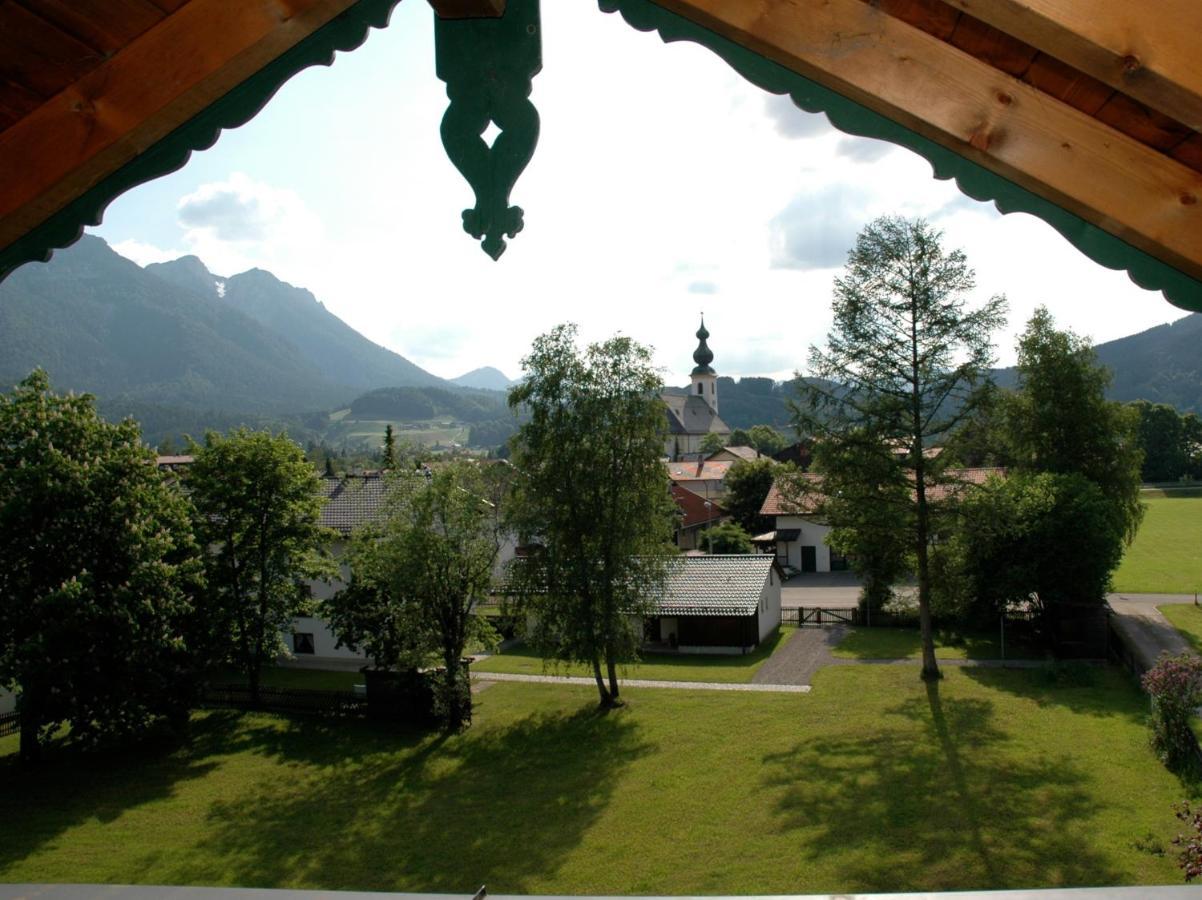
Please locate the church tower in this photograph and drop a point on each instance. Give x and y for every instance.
(705, 379)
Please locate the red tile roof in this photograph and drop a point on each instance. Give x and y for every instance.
(810, 503)
(694, 509)
(698, 470)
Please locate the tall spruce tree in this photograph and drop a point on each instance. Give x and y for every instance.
(903, 365)
(592, 494)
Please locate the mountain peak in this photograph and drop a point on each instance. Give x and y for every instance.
(486, 377)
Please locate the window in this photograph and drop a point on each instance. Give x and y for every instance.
(700, 387)
(302, 642)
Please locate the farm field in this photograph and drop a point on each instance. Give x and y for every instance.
(523, 660)
(874, 782)
(1166, 557)
(371, 431)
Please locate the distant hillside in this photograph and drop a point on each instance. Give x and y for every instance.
(341, 354)
(97, 322)
(1161, 365)
(486, 378)
(409, 404)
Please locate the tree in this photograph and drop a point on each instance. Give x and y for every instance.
(258, 504)
(1059, 419)
(1162, 437)
(1047, 539)
(593, 494)
(767, 440)
(712, 443)
(740, 437)
(747, 485)
(388, 460)
(100, 572)
(904, 364)
(869, 502)
(417, 577)
(726, 537)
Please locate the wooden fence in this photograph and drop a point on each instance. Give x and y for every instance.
(284, 700)
(10, 723)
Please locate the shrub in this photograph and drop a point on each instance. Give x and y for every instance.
(1175, 686)
(1190, 857)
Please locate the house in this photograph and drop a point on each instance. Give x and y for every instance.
(734, 454)
(693, 416)
(800, 531)
(697, 515)
(351, 501)
(702, 477)
(716, 604)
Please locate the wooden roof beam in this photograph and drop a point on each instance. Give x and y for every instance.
(1011, 128)
(1145, 50)
(153, 85)
(469, 9)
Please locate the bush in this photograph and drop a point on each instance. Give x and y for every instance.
(1175, 686)
(1190, 857)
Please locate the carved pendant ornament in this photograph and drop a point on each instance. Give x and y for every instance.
(488, 65)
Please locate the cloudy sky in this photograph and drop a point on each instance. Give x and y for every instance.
(662, 186)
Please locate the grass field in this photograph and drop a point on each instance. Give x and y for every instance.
(1166, 557)
(309, 679)
(904, 643)
(874, 782)
(1187, 619)
(522, 660)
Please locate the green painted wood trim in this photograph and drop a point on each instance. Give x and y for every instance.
(973, 179)
(344, 32)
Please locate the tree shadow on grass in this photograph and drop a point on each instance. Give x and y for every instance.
(499, 806)
(941, 806)
(73, 786)
(1086, 688)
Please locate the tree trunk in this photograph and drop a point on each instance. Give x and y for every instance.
(454, 704)
(930, 668)
(613, 676)
(606, 699)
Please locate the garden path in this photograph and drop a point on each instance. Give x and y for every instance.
(1147, 632)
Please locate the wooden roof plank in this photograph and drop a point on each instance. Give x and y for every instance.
(38, 56)
(1010, 128)
(1146, 50)
(122, 107)
(105, 25)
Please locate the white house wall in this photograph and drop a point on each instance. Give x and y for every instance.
(812, 535)
(770, 605)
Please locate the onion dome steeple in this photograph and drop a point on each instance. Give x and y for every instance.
(703, 355)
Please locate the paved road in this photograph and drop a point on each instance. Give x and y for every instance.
(829, 590)
(1145, 628)
(807, 651)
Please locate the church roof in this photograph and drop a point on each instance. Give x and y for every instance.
(703, 355)
(690, 414)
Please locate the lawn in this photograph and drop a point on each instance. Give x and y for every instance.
(1187, 619)
(905, 643)
(1166, 557)
(523, 660)
(874, 782)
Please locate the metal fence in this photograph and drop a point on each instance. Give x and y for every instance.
(10, 723)
(806, 616)
(284, 700)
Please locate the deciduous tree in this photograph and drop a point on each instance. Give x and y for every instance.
(903, 365)
(258, 504)
(592, 492)
(417, 577)
(747, 485)
(100, 572)
(1060, 421)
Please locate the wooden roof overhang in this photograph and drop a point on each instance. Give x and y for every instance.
(1085, 113)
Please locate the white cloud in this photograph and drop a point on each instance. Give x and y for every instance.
(240, 223)
(144, 254)
(863, 150)
(793, 122)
